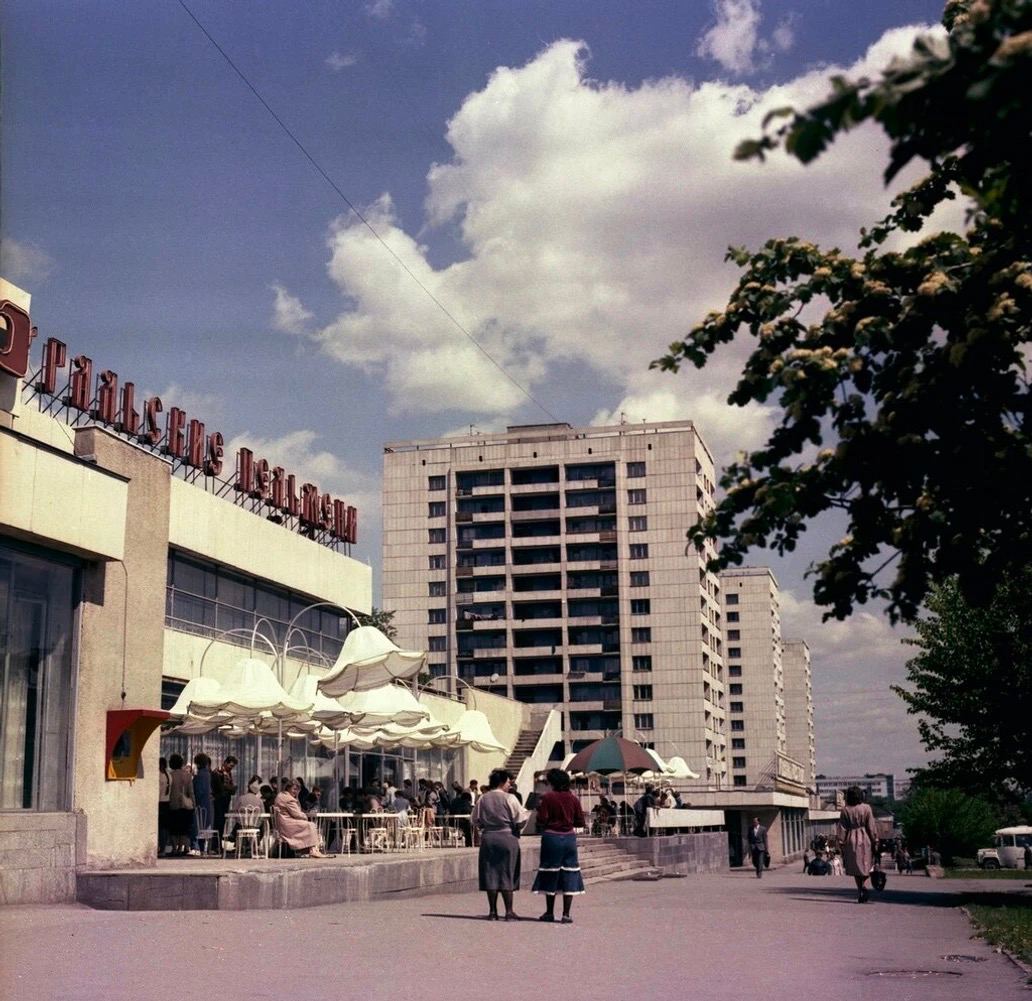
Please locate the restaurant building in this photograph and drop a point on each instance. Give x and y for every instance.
(130, 541)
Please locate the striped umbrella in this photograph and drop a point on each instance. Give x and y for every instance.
(612, 755)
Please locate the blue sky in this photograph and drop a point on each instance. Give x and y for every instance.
(557, 173)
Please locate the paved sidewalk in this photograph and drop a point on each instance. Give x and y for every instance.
(720, 936)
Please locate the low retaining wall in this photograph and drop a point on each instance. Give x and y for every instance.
(289, 884)
(704, 851)
(38, 855)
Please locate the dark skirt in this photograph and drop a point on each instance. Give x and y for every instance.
(179, 822)
(499, 861)
(559, 871)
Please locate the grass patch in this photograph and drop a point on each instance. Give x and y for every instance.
(1024, 874)
(1010, 927)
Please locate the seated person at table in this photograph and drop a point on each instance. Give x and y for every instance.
(295, 830)
(252, 796)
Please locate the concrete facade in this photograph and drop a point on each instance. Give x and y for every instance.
(800, 741)
(548, 564)
(756, 687)
(121, 622)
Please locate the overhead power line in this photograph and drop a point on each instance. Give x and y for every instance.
(361, 217)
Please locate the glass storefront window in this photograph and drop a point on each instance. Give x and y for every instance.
(37, 614)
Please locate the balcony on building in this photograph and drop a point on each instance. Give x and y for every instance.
(538, 667)
(591, 555)
(593, 638)
(482, 615)
(469, 589)
(478, 482)
(478, 509)
(533, 480)
(594, 666)
(481, 644)
(528, 507)
(527, 690)
(601, 474)
(594, 501)
(597, 720)
(606, 583)
(535, 555)
(472, 669)
(539, 587)
(471, 562)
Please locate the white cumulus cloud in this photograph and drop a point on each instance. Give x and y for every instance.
(288, 313)
(594, 218)
(733, 39)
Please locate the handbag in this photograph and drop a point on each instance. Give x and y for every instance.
(766, 860)
(878, 877)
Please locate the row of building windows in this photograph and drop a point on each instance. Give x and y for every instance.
(439, 536)
(535, 474)
(637, 551)
(208, 600)
(534, 502)
(526, 610)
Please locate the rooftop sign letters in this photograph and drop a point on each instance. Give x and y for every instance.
(267, 489)
(15, 337)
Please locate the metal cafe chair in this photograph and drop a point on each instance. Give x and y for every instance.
(205, 832)
(249, 831)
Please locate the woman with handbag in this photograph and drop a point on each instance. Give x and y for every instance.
(500, 818)
(180, 805)
(859, 839)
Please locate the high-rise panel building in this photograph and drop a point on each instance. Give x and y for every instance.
(550, 563)
(799, 731)
(755, 677)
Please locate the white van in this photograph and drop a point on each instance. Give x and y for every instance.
(1008, 851)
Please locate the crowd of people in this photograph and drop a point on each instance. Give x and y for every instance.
(194, 797)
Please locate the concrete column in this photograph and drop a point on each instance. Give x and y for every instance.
(121, 649)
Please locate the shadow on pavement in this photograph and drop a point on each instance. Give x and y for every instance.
(459, 917)
(847, 895)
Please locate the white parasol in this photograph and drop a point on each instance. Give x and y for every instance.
(368, 659)
(385, 704)
(249, 691)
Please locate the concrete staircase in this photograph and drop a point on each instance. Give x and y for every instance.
(601, 861)
(524, 746)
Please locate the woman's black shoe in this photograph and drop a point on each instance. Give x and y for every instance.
(547, 916)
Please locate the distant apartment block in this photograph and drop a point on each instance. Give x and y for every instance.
(760, 755)
(798, 687)
(550, 564)
(877, 784)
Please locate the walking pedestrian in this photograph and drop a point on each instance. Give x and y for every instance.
(859, 838)
(758, 846)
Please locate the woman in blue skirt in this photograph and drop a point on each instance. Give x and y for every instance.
(558, 813)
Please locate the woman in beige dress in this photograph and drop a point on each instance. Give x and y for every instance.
(292, 824)
(859, 837)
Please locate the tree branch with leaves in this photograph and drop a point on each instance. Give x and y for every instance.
(905, 406)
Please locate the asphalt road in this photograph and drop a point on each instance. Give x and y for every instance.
(722, 936)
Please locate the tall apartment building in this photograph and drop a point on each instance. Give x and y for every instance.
(550, 563)
(799, 732)
(755, 676)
